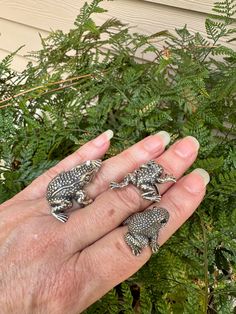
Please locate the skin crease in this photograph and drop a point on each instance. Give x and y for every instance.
(50, 267)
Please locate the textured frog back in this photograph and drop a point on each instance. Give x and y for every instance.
(63, 181)
(140, 221)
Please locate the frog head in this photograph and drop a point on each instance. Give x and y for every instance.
(88, 169)
(157, 169)
(162, 215)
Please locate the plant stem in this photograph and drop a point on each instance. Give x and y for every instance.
(205, 256)
(42, 87)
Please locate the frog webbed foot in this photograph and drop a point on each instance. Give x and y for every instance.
(166, 178)
(60, 216)
(82, 199)
(154, 245)
(136, 242)
(58, 208)
(150, 193)
(130, 178)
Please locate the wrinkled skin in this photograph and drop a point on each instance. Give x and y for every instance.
(50, 267)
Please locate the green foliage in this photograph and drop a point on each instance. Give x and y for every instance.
(88, 80)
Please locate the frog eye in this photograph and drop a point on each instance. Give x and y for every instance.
(86, 177)
(164, 221)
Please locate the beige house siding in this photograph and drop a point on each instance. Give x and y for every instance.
(22, 21)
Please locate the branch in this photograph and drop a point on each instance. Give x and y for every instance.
(43, 87)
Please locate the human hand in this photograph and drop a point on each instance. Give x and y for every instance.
(50, 267)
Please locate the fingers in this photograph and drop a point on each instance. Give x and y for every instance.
(94, 149)
(110, 260)
(135, 155)
(117, 167)
(113, 206)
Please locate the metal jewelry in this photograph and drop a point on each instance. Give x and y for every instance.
(69, 186)
(143, 229)
(146, 178)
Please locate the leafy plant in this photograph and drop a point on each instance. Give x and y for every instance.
(88, 80)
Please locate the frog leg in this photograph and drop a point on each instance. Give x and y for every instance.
(81, 198)
(58, 207)
(166, 178)
(144, 166)
(147, 164)
(136, 242)
(150, 193)
(153, 243)
(130, 178)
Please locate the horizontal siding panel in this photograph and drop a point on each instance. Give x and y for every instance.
(14, 35)
(18, 64)
(21, 21)
(147, 17)
(204, 6)
(43, 15)
(152, 18)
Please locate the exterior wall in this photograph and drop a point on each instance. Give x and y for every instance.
(22, 21)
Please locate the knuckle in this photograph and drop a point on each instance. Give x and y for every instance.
(46, 238)
(80, 156)
(127, 198)
(177, 209)
(169, 167)
(53, 172)
(168, 164)
(124, 256)
(101, 181)
(129, 158)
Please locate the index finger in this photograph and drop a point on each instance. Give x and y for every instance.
(94, 149)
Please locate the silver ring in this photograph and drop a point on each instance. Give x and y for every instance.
(68, 186)
(143, 229)
(146, 178)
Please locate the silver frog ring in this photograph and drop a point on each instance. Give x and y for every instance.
(146, 178)
(144, 227)
(69, 186)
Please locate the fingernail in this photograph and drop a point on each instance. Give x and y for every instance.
(109, 134)
(194, 140)
(204, 174)
(103, 138)
(186, 147)
(165, 136)
(193, 184)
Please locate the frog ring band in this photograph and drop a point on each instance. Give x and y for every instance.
(146, 178)
(69, 186)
